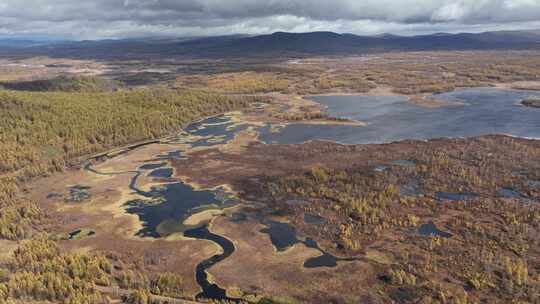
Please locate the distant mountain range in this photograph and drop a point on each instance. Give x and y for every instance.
(278, 44)
(22, 43)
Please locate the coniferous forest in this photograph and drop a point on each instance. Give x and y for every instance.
(46, 131)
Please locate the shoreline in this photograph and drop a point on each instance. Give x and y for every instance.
(118, 151)
(388, 91)
(81, 161)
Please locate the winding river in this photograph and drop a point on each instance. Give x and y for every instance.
(211, 290)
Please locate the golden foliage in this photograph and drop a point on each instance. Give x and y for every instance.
(42, 272)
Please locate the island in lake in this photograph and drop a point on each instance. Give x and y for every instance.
(533, 102)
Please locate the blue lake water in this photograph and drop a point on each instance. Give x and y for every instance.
(214, 131)
(509, 193)
(390, 118)
(171, 155)
(393, 118)
(282, 235)
(211, 290)
(162, 173)
(176, 202)
(314, 219)
(152, 166)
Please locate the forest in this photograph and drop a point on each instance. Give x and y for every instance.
(46, 131)
(65, 84)
(43, 130)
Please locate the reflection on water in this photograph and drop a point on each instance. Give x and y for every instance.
(392, 118)
(80, 233)
(283, 236)
(163, 209)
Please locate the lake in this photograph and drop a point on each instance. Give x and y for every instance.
(393, 118)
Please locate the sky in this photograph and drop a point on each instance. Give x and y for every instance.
(100, 19)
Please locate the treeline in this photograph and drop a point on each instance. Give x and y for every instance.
(40, 271)
(18, 217)
(65, 84)
(236, 83)
(42, 131)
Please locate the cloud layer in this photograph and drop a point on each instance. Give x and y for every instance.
(125, 18)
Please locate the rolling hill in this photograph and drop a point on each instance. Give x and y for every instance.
(279, 44)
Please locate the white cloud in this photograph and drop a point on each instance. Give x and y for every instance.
(450, 11)
(512, 4)
(121, 18)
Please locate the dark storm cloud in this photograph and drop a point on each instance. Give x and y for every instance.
(119, 18)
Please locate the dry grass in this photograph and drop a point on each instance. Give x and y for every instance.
(404, 73)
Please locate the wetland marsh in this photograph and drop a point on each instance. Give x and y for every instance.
(194, 177)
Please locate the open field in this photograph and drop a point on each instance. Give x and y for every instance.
(403, 73)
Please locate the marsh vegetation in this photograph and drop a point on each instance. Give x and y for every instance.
(44, 132)
(396, 220)
(363, 209)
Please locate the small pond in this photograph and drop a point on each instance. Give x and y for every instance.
(313, 219)
(162, 173)
(282, 235)
(78, 194)
(152, 166)
(450, 196)
(431, 229)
